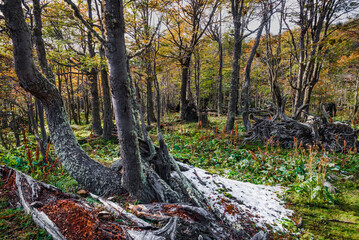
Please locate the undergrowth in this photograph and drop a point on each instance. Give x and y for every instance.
(304, 172)
(15, 224)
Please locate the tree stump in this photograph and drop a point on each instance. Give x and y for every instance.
(203, 119)
(190, 114)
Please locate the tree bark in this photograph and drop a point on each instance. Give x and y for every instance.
(39, 43)
(234, 92)
(132, 178)
(220, 77)
(149, 74)
(95, 102)
(78, 103)
(107, 107)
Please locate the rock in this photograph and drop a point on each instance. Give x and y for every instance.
(261, 236)
(37, 204)
(104, 215)
(83, 193)
(330, 187)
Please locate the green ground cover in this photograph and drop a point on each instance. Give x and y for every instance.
(324, 215)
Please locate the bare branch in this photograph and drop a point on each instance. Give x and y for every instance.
(77, 14)
(147, 45)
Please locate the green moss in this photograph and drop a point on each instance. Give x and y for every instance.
(332, 221)
(14, 224)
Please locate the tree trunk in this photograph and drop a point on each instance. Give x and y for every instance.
(15, 127)
(72, 102)
(39, 43)
(150, 109)
(220, 77)
(31, 114)
(273, 60)
(247, 80)
(233, 94)
(44, 141)
(149, 81)
(92, 77)
(107, 108)
(132, 178)
(59, 80)
(356, 96)
(86, 101)
(184, 80)
(41, 55)
(78, 103)
(197, 70)
(95, 102)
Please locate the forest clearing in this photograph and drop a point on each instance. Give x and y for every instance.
(185, 119)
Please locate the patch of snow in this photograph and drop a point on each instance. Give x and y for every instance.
(241, 200)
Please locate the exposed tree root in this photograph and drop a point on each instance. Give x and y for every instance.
(287, 133)
(338, 136)
(67, 216)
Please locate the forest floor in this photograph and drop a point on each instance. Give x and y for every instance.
(321, 187)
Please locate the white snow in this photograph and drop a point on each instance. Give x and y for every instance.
(241, 200)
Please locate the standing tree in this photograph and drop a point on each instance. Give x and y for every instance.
(247, 80)
(181, 15)
(41, 55)
(215, 33)
(314, 22)
(239, 23)
(92, 74)
(139, 28)
(94, 176)
(272, 57)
